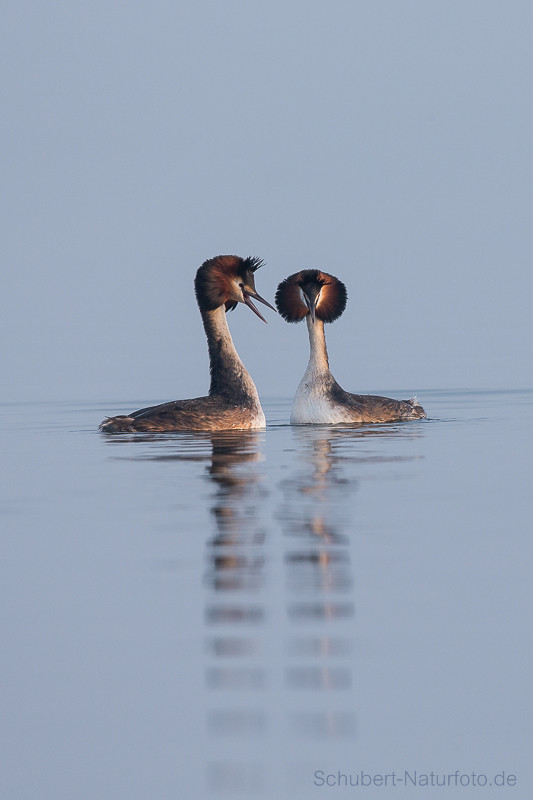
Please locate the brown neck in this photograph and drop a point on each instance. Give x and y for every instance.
(229, 376)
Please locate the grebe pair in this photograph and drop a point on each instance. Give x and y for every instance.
(233, 402)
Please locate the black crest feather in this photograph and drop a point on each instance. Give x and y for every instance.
(252, 264)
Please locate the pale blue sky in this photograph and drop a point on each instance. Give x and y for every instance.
(386, 142)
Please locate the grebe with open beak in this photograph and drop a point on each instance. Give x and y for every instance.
(319, 298)
(232, 402)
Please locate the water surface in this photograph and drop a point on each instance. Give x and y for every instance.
(262, 614)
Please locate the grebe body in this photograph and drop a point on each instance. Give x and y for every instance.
(233, 401)
(318, 298)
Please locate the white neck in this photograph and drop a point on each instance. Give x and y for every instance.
(313, 402)
(318, 356)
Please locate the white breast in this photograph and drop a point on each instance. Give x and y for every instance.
(312, 406)
(259, 420)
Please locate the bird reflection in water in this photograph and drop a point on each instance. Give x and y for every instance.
(279, 610)
(320, 591)
(320, 527)
(235, 611)
(233, 579)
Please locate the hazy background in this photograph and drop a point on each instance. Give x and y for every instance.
(387, 142)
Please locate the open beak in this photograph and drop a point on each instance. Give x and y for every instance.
(247, 299)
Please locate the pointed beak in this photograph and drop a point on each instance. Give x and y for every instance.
(311, 299)
(247, 299)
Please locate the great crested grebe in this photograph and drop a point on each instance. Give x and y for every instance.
(232, 402)
(321, 298)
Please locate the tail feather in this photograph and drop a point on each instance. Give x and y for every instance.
(418, 411)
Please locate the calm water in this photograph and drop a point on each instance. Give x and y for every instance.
(249, 615)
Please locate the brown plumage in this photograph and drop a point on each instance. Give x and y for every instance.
(291, 293)
(319, 297)
(232, 403)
